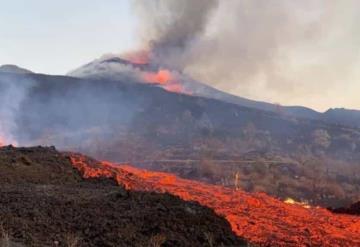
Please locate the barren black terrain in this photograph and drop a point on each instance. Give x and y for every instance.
(45, 202)
(352, 209)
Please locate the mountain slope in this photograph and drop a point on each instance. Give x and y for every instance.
(75, 106)
(140, 123)
(117, 68)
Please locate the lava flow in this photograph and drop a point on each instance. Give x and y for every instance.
(259, 218)
(163, 77)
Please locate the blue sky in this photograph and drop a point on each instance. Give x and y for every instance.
(57, 36)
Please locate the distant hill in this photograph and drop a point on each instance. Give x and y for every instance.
(9, 68)
(342, 116)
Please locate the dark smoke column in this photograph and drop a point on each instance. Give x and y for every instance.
(170, 27)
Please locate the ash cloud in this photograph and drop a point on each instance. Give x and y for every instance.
(171, 27)
(278, 51)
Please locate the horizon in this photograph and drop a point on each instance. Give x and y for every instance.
(310, 62)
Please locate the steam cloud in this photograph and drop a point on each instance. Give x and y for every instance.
(277, 50)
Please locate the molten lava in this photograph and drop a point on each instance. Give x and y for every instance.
(292, 201)
(255, 216)
(163, 77)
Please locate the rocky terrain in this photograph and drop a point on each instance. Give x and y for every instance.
(44, 201)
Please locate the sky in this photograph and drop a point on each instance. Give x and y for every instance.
(288, 52)
(57, 36)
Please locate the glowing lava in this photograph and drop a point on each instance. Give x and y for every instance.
(163, 77)
(255, 216)
(292, 201)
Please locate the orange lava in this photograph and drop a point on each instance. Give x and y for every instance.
(257, 217)
(164, 77)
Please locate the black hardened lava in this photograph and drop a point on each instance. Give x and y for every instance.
(45, 202)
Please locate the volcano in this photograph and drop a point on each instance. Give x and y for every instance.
(131, 120)
(115, 67)
(195, 137)
(140, 116)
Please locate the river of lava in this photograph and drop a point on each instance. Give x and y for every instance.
(259, 218)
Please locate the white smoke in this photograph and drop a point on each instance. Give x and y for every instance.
(11, 96)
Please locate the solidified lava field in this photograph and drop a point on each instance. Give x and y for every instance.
(259, 218)
(44, 201)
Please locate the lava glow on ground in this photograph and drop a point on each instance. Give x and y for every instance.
(259, 218)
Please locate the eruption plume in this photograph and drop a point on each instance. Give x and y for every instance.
(263, 50)
(170, 27)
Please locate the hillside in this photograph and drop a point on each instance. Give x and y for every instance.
(343, 116)
(125, 121)
(45, 202)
